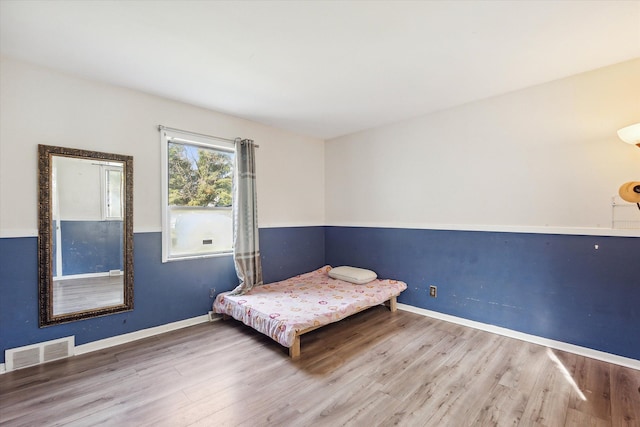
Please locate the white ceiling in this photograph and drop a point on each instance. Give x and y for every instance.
(322, 68)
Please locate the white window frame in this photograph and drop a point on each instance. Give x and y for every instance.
(172, 135)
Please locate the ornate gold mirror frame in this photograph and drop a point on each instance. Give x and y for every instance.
(84, 291)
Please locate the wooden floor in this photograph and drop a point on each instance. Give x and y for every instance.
(73, 295)
(374, 369)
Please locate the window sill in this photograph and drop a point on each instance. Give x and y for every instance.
(191, 257)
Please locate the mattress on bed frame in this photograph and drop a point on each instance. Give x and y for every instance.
(282, 309)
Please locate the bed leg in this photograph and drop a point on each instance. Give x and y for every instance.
(392, 303)
(294, 350)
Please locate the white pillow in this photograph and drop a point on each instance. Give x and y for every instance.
(355, 275)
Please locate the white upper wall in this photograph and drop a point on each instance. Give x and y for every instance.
(543, 158)
(546, 158)
(40, 106)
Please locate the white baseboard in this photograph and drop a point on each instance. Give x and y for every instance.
(143, 333)
(558, 345)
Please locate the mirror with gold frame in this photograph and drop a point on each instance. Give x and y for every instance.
(85, 234)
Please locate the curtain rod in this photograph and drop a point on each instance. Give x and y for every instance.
(161, 127)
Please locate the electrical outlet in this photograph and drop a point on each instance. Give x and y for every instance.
(212, 292)
(433, 291)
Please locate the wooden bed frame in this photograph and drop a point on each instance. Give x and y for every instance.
(294, 350)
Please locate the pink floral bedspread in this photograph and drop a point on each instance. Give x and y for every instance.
(281, 309)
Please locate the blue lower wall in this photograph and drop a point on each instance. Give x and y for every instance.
(286, 252)
(553, 286)
(91, 246)
(163, 293)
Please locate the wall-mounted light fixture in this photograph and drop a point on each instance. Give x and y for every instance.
(630, 134)
(630, 191)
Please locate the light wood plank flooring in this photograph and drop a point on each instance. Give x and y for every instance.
(374, 369)
(73, 295)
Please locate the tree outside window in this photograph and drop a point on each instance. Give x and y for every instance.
(199, 199)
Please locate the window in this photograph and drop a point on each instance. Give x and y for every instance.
(197, 195)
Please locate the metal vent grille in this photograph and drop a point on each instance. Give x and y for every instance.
(24, 358)
(35, 354)
(55, 351)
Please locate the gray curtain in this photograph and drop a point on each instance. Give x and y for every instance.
(246, 248)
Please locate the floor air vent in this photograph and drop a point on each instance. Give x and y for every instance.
(35, 354)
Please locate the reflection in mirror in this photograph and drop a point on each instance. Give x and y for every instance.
(85, 234)
(87, 222)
